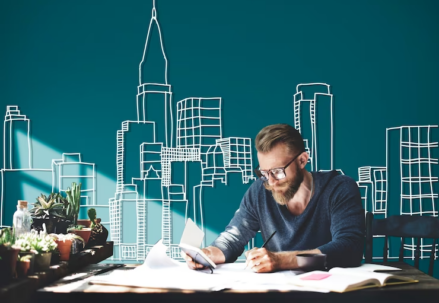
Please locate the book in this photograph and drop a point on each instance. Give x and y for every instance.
(347, 279)
(190, 244)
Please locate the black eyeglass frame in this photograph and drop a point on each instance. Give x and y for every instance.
(270, 171)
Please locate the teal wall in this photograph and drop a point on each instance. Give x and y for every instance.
(72, 68)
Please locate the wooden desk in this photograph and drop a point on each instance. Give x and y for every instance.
(427, 290)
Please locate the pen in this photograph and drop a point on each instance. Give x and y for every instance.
(263, 245)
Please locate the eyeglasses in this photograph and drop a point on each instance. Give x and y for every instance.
(276, 173)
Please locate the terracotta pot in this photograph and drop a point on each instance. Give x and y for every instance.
(64, 248)
(84, 222)
(83, 233)
(23, 268)
(8, 264)
(42, 261)
(32, 260)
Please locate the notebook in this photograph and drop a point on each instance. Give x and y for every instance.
(347, 279)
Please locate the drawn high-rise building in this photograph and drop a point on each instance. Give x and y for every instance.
(373, 183)
(17, 153)
(313, 118)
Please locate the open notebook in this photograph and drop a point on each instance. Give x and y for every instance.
(347, 279)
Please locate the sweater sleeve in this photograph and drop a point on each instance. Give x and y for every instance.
(243, 226)
(347, 226)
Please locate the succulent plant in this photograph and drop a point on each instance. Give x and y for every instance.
(7, 237)
(51, 206)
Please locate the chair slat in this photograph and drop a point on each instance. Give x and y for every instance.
(432, 255)
(385, 250)
(401, 250)
(417, 252)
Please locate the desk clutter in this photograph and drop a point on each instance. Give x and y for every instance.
(47, 234)
(19, 290)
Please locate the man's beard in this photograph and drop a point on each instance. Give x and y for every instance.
(282, 197)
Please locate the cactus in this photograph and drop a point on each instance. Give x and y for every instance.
(92, 216)
(74, 198)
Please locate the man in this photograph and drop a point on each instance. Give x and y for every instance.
(318, 212)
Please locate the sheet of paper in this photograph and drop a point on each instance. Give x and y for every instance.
(374, 267)
(192, 234)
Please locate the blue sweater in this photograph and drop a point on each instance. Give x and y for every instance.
(333, 222)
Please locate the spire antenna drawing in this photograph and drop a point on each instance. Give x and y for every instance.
(145, 50)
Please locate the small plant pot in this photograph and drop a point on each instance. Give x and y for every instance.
(31, 261)
(8, 264)
(23, 268)
(64, 248)
(84, 222)
(83, 233)
(42, 261)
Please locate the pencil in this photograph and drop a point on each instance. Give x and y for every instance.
(263, 245)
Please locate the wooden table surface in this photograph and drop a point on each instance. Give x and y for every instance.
(427, 290)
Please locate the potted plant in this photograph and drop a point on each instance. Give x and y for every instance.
(66, 243)
(23, 265)
(44, 245)
(72, 211)
(8, 255)
(50, 211)
(23, 242)
(99, 233)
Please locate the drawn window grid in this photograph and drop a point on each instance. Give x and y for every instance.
(413, 165)
(129, 252)
(380, 185)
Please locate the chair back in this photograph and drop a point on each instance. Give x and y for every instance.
(404, 226)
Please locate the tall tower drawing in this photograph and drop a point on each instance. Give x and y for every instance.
(313, 118)
(16, 140)
(154, 98)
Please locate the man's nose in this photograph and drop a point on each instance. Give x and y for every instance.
(271, 180)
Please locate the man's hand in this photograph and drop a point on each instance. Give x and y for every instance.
(214, 253)
(192, 264)
(262, 260)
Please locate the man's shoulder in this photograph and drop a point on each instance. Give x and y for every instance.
(334, 179)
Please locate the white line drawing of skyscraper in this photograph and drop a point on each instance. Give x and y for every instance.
(313, 118)
(374, 180)
(410, 173)
(16, 156)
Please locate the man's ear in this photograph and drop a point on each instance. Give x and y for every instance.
(303, 159)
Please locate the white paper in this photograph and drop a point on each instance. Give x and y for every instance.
(374, 267)
(160, 271)
(192, 234)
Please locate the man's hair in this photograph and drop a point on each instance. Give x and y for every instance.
(272, 135)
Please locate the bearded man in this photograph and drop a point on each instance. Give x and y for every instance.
(311, 212)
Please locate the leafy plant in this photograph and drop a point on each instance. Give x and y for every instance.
(92, 216)
(25, 258)
(7, 237)
(40, 243)
(74, 200)
(49, 207)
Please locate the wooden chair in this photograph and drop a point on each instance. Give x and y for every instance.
(403, 227)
